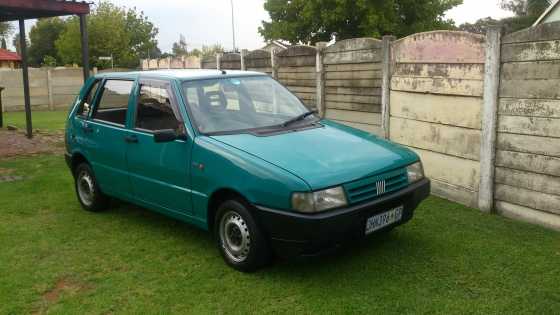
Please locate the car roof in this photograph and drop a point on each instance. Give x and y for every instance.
(180, 74)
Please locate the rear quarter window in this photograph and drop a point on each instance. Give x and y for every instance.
(113, 103)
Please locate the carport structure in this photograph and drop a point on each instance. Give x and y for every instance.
(21, 10)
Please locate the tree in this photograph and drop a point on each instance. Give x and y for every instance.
(43, 36)
(180, 48)
(526, 13)
(142, 34)
(310, 21)
(125, 34)
(207, 51)
(480, 26)
(5, 31)
(16, 42)
(526, 7)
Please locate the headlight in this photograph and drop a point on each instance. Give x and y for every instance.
(415, 172)
(318, 201)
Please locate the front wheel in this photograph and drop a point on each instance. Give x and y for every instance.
(240, 241)
(89, 195)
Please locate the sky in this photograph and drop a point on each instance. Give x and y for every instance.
(209, 22)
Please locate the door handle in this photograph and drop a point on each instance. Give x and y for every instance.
(87, 129)
(131, 139)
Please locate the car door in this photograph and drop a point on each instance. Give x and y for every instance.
(105, 136)
(159, 172)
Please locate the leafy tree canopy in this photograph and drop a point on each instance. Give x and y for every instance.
(310, 21)
(180, 48)
(526, 13)
(5, 29)
(43, 36)
(125, 34)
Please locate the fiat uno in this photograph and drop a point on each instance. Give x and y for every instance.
(237, 154)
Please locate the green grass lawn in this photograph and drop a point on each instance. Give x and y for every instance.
(42, 120)
(57, 258)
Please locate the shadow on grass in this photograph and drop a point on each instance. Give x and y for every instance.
(383, 250)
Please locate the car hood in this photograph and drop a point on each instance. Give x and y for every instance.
(324, 157)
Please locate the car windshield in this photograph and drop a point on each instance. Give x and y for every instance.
(234, 104)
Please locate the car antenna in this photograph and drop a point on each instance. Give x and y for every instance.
(224, 72)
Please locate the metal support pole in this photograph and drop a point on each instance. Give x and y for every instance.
(233, 26)
(25, 72)
(1, 109)
(85, 46)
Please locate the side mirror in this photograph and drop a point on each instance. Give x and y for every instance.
(167, 135)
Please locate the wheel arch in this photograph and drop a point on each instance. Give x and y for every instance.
(77, 159)
(217, 198)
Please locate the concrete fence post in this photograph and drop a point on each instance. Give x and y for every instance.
(386, 84)
(274, 64)
(50, 91)
(320, 79)
(489, 119)
(243, 55)
(1, 109)
(218, 61)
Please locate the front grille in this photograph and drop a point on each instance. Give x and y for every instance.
(372, 187)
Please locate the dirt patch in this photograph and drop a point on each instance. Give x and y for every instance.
(15, 143)
(5, 171)
(65, 286)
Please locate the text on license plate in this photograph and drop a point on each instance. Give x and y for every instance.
(384, 219)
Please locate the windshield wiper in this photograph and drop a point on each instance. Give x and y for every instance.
(299, 118)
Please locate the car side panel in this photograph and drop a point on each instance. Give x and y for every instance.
(217, 166)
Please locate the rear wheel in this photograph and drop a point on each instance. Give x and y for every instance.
(240, 240)
(89, 195)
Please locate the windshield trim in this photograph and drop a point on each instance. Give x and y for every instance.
(274, 129)
(254, 131)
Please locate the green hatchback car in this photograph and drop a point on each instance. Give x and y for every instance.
(237, 154)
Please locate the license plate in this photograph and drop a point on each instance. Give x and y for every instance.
(384, 219)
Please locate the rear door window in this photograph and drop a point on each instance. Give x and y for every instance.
(85, 106)
(113, 103)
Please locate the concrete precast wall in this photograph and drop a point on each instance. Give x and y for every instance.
(259, 61)
(435, 107)
(230, 61)
(296, 69)
(527, 181)
(50, 88)
(352, 74)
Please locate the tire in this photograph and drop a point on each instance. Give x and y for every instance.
(89, 195)
(240, 240)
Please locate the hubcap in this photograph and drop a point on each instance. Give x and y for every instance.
(235, 236)
(86, 189)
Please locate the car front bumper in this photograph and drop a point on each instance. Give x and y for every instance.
(297, 234)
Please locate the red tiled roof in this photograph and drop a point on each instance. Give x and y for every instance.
(6, 55)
